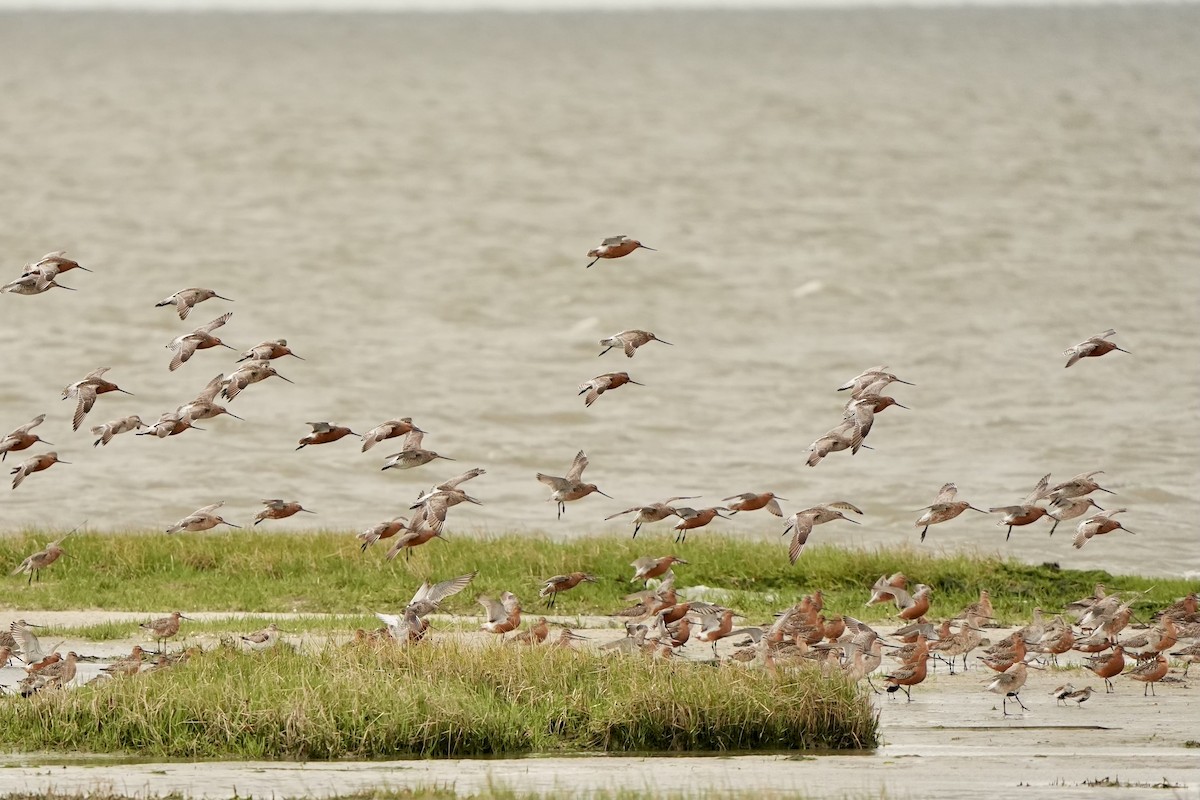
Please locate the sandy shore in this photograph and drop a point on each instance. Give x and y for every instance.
(951, 740)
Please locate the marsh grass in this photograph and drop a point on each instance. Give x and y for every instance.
(444, 699)
(325, 573)
(489, 793)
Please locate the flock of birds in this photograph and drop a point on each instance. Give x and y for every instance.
(661, 621)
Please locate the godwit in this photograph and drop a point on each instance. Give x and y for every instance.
(185, 299)
(884, 589)
(906, 676)
(201, 338)
(1078, 486)
(410, 625)
(201, 519)
(1150, 673)
(34, 464)
(980, 608)
(37, 562)
(944, 508)
(875, 378)
(1097, 525)
(630, 341)
(571, 487)
(716, 626)
(801, 523)
(266, 351)
(1107, 665)
(126, 666)
(323, 433)
(382, 530)
(652, 512)
(108, 430)
(1065, 508)
(87, 390)
(562, 583)
(421, 530)
(648, 567)
(27, 642)
(847, 436)
(61, 672)
(247, 374)
(21, 438)
(204, 406)
(278, 509)
(164, 627)
(261, 640)
(691, 518)
(877, 402)
(503, 615)
(388, 430)
(450, 490)
(1026, 513)
(918, 604)
(749, 501)
(536, 634)
(33, 283)
(52, 265)
(170, 423)
(1188, 655)
(615, 247)
(1091, 348)
(602, 383)
(411, 454)
(1008, 684)
(436, 504)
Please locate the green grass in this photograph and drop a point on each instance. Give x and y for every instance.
(442, 699)
(490, 793)
(325, 573)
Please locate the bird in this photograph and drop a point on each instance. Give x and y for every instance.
(1092, 347)
(629, 341)
(551, 587)
(1026, 513)
(412, 454)
(278, 509)
(21, 438)
(201, 338)
(261, 640)
(248, 373)
(183, 300)
(410, 625)
(204, 405)
(1150, 673)
(801, 523)
(268, 350)
(648, 567)
(615, 247)
(503, 615)
(749, 501)
(421, 529)
(323, 433)
(1096, 525)
(1107, 665)
(571, 487)
(652, 512)
(33, 283)
(943, 509)
(1065, 508)
(1079, 486)
(170, 423)
(381, 530)
(37, 562)
(52, 265)
(34, 464)
(87, 390)
(1008, 684)
(602, 383)
(164, 627)
(846, 436)
(388, 430)
(691, 518)
(108, 430)
(875, 378)
(201, 519)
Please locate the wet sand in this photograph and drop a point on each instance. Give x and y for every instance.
(950, 740)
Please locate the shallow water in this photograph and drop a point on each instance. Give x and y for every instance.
(960, 194)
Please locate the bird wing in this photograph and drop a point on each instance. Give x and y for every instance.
(185, 348)
(575, 473)
(200, 512)
(626, 511)
(440, 591)
(842, 505)
(773, 506)
(31, 649)
(320, 427)
(495, 611)
(946, 494)
(613, 240)
(87, 399)
(209, 393)
(412, 440)
(466, 476)
(96, 373)
(1040, 491)
(209, 327)
(28, 426)
(801, 527)
(557, 484)
(510, 602)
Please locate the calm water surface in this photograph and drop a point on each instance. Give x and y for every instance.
(959, 194)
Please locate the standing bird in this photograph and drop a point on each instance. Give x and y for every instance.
(562, 583)
(1092, 347)
(201, 519)
(944, 508)
(185, 299)
(571, 487)
(653, 512)
(324, 433)
(164, 628)
(1097, 525)
(1107, 665)
(629, 341)
(801, 523)
(749, 501)
(615, 247)
(1008, 684)
(602, 383)
(268, 350)
(87, 390)
(1026, 513)
(201, 338)
(37, 562)
(412, 454)
(248, 373)
(278, 509)
(388, 430)
(108, 430)
(21, 438)
(35, 464)
(1150, 673)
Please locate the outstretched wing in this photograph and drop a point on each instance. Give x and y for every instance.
(575, 473)
(440, 591)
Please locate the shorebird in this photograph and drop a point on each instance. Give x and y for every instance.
(278, 509)
(1079, 486)
(691, 518)
(170, 423)
(248, 373)
(382, 530)
(411, 453)
(615, 247)
(801, 523)
(34, 464)
(37, 562)
(562, 583)
(652, 512)
(906, 676)
(25, 641)
(571, 487)
(52, 265)
(536, 633)
(1065, 508)
(875, 379)
(204, 405)
(1150, 673)
(1107, 665)
(503, 615)
(21, 438)
(87, 390)
(629, 340)
(185, 299)
(846, 436)
(648, 567)
(421, 530)
(1097, 525)
(1092, 347)
(126, 666)
(410, 625)
(1189, 655)
(108, 430)
(1026, 513)
(388, 430)
(201, 519)
(201, 338)
(917, 605)
(1008, 684)
(323, 433)
(60, 673)
(944, 508)
(749, 501)
(268, 350)
(602, 383)
(33, 283)
(261, 640)
(164, 627)
(449, 492)
(885, 588)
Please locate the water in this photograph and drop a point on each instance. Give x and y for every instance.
(959, 194)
